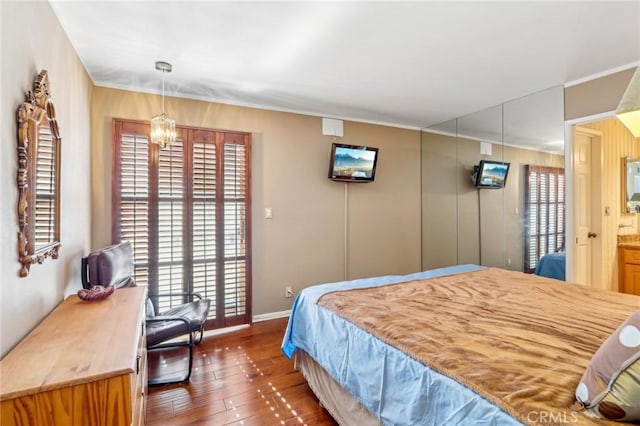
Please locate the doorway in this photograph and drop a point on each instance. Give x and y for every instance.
(587, 201)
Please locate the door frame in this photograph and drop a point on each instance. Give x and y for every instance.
(569, 189)
(593, 268)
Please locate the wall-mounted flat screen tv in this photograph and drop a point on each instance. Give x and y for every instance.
(352, 163)
(491, 174)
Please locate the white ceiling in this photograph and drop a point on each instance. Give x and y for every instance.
(408, 64)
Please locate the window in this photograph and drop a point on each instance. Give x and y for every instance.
(545, 208)
(184, 208)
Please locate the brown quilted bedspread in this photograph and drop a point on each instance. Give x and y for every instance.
(521, 341)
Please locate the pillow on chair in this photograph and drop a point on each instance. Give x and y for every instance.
(112, 265)
(151, 311)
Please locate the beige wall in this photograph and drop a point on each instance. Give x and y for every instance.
(617, 143)
(440, 202)
(304, 242)
(452, 214)
(32, 39)
(596, 96)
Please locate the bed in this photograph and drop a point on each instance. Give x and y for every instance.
(428, 348)
(552, 265)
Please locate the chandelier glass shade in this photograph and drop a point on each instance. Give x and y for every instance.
(163, 128)
(628, 111)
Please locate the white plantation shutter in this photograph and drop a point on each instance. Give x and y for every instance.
(185, 210)
(45, 182)
(133, 203)
(545, 208)
(204, 240)
(235, 175)
(171, 221)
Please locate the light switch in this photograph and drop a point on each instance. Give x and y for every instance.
(268, 213)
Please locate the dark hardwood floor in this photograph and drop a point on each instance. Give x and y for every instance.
(240, 378)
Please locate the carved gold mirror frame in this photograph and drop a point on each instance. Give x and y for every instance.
(38, 177)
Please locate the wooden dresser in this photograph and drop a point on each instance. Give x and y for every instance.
(629, 268)
(84, 364)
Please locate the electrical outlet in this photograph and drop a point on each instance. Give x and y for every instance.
(288, 292)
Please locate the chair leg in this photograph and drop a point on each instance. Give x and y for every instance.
(171, 381)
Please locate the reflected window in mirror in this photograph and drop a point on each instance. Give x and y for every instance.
(545, 213)
(38, 177)
(631, 185)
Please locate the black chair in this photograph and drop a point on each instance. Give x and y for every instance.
(180, 326)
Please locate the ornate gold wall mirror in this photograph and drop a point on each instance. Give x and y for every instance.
(38, 177)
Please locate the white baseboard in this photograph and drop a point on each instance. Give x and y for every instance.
(271, 315)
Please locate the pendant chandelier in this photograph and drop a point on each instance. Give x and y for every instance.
(163, 128)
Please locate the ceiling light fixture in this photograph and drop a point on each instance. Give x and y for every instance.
(163, 128)
(628, 111)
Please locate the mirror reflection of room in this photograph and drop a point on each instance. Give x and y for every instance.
(519, 226)
(632, 169)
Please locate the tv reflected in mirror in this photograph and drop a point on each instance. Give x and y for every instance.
(491, 174)
(352, 163)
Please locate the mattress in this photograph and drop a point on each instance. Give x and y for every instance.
(342, 406)
(393, 386)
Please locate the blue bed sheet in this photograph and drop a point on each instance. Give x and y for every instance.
(396, 388)
(552, 265)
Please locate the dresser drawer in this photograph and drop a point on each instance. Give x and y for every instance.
(631, 256)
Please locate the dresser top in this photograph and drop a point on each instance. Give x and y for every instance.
(630, 245)
(77, 342)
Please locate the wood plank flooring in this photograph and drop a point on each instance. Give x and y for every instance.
(240, 378)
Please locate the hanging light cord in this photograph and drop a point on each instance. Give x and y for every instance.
(163, 71)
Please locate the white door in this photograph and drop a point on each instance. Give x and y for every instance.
(586, 192)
